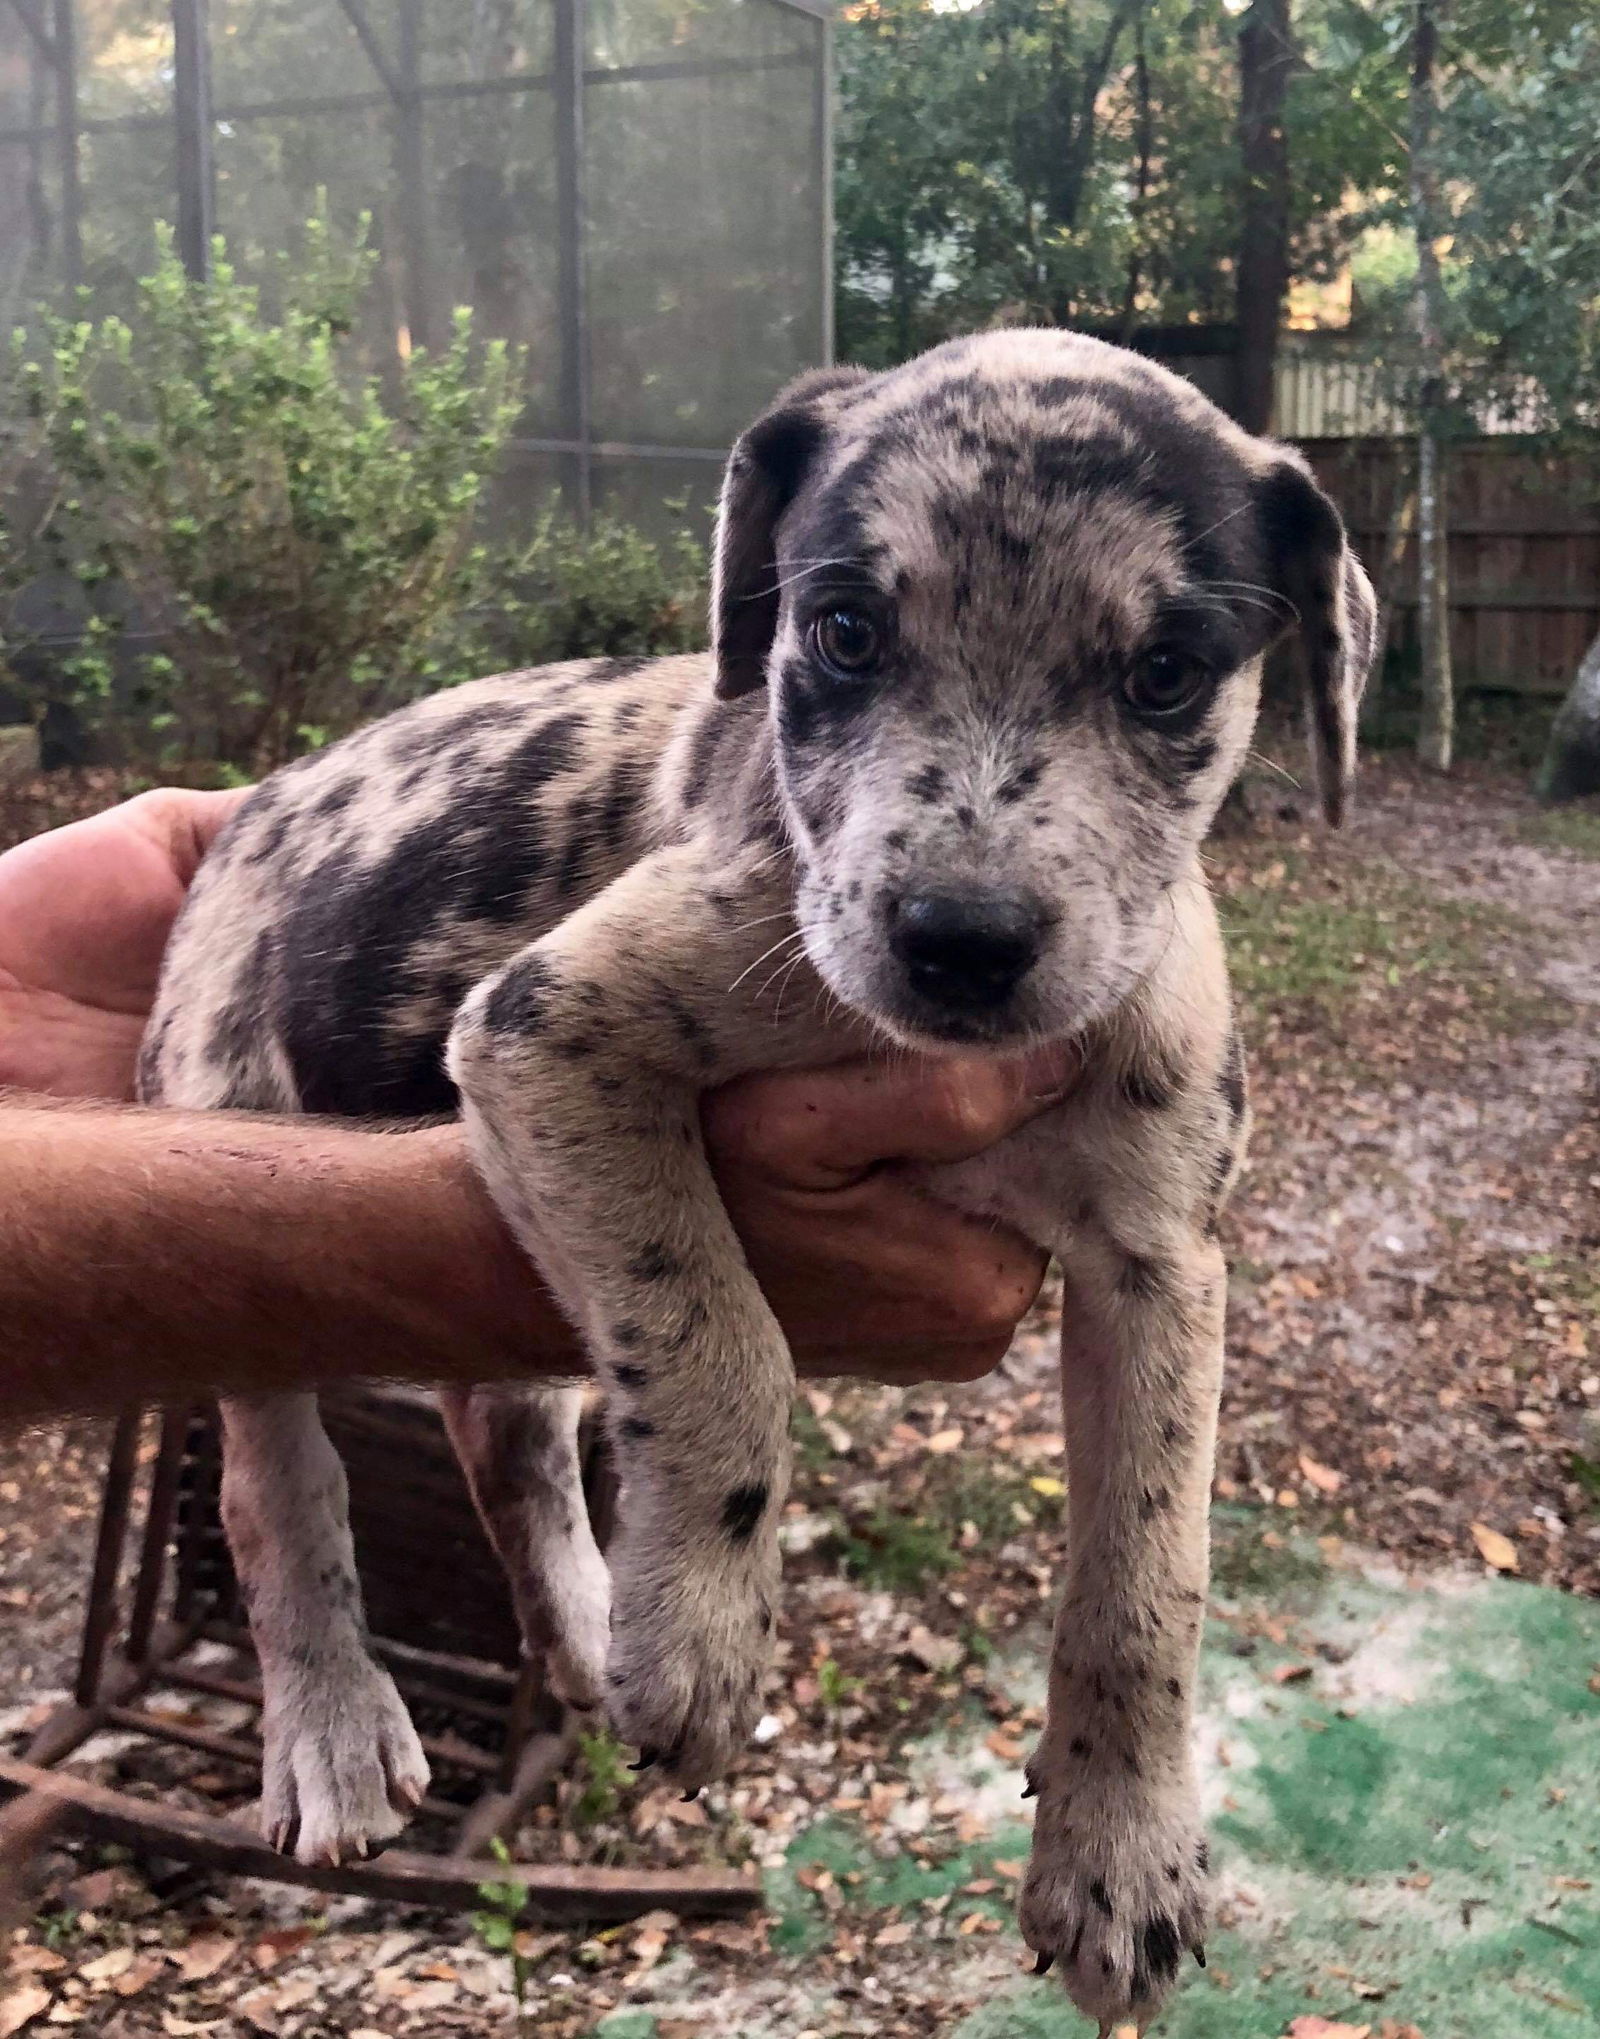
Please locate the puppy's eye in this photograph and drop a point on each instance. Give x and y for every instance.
(1164, 683)
(847, 642)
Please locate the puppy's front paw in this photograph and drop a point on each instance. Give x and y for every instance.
(342, 1767)
(1115, 1895)
(685, 1670)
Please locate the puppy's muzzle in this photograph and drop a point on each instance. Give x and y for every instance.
(965, 952)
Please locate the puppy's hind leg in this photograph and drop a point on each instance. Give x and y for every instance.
(518, 1449)
(342, 1766)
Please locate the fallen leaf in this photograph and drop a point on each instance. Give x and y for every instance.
(1051, 1489)
(943, 1441)
(202, 1958)
(21, 2007)
(138, 1976)
(932, 1652)
(1324, 2028)
(1389, 2029)
(1291, 1674)
(271, 1947)
(894, 1936)
(1496, 1550)
(105, 1966)
(1323, 1478)
(28, 1960)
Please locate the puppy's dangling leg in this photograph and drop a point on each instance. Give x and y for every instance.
(518, 1449)
(341, 1764)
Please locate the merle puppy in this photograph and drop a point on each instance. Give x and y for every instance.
(988, 632)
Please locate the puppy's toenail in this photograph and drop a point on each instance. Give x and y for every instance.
(1044, 1964)
(1030, 1791)
(1200, 1956)
(648, 1758)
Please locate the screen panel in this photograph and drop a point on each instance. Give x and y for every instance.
(704, 215)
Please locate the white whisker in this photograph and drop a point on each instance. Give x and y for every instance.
(782, 942)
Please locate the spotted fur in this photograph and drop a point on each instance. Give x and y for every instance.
(567, 902)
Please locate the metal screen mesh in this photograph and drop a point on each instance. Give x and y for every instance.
(634, 191)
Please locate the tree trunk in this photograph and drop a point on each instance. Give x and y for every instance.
(1436, 733)
(1571, 767)
(1073, 100)
(1145, 142)
(1266, 61)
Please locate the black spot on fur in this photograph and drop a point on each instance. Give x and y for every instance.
(654, 1262)
(241, 1026)
(1202, 1857)
(1231, 1083)
(703, 748)
(1150, 1084)
(1079, 1747)
(928, 784)
(605, 672)
(619, 804)
(337, 799)
(690, 1028)
(1021, 783)
(636, 1429)
(352, 933)
(520, 1002)
(577, 850)
(897, 839)
(742, 1511)
(1101, 1897)
(1141, 1278)
(627, 1375)
(1160, 1946)
(1174, 1688)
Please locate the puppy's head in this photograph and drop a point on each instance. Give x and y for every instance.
(1010, 602)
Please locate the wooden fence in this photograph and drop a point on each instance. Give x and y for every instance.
(1524, 553)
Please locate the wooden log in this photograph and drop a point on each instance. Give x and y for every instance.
(556, 1893)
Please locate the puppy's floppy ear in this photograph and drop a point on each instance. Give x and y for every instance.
(1336, 636)
(764, 473)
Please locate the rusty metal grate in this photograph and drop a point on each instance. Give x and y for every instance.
(163, 1622)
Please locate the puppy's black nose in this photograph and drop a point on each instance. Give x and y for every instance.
(970, 950)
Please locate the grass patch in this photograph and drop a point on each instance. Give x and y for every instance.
(1575, 828)
(998, 1499)
(868, 1882)
(1329, 938)
(1250, 1554)
(898, 1551)
(605, 1776)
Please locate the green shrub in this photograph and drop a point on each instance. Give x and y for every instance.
(286, 531)
(605, 592)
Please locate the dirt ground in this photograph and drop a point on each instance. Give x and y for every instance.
(1414, 1393)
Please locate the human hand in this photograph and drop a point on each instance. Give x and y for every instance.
(867, 1273)
(85, 913)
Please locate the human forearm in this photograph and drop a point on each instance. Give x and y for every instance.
(149, 1255)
